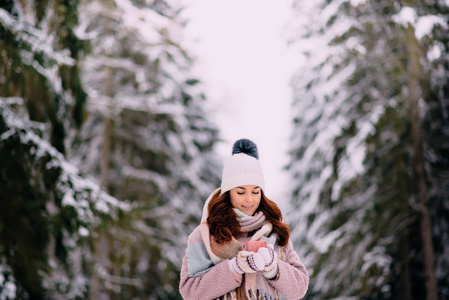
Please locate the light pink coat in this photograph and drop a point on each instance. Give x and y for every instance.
(218, 281)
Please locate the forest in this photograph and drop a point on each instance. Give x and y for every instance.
(107, 150)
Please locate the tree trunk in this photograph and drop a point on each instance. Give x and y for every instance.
(101, 244)
(414, 71)
(105, 153)
(405, 290)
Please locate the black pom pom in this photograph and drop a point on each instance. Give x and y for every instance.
(245, 146)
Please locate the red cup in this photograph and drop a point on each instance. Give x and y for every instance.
(254, 245)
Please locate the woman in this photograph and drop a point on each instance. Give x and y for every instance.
(216, 265)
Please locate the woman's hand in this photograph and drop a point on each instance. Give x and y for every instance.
(270, 258)
(247, 262)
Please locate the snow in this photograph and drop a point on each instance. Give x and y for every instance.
(9, 288)
(12, 101)
(8, 291)
(423, 24)
(34, 38)
(136, 16)
(146, 175)
(357, 2)
(435, 52)
(378, 257)
(76, 190)
(326, 241)
(353, 164)
(405, 16)
(354, 43)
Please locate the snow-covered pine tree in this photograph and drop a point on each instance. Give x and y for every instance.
(356, 205)
(47, 210)
(147, 139)
(436, 138)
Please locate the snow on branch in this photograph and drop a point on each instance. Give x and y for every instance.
(423, 24)
(84, 194)
(7, 283)
(34, 38)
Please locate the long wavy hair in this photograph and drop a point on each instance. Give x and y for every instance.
(223, 222)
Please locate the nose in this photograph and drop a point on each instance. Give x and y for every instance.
(249, 198)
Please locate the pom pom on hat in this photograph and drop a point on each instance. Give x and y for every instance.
(243, 167)
(245, 146)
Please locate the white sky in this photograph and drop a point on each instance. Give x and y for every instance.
(246, 66)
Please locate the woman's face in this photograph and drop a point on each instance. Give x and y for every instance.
(246, 198)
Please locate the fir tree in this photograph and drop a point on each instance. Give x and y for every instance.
(97, 99)
(362, 189)
(147, 140)
(47, 208)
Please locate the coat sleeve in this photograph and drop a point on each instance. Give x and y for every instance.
(203, 280)
(292, 280)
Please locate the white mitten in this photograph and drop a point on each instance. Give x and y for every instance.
(270, 258)
(247, 262)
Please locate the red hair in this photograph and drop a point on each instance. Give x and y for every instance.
(223, 222)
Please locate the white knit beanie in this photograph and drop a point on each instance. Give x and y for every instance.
(243, 167)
